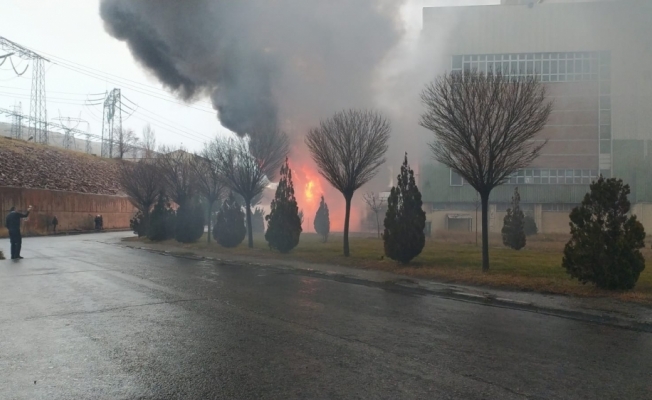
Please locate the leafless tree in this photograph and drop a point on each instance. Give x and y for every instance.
(210, 181)
(376, 205)
(484, 126)
(149, 141)
(348, 148)
(141, 182)
(248, 164)
(124, 140)
(177, 174)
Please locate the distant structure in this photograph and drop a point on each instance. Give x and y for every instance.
(595, 60)
(17, 125)
(38, 121)
(111, 121)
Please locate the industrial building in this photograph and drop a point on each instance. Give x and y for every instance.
(595, 60)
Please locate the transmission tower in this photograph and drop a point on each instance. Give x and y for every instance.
(69, 132)
(38, 122)
(17, 125)
(111, 121)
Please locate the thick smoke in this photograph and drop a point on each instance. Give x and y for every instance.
(286, 62)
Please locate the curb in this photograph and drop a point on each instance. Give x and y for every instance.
(412, 287)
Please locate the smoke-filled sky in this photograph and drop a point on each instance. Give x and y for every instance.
(287, 59)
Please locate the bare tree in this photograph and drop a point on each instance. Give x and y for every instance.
(484, 126)
(248, 164)
(149, 141)
(376, 205)
(124, 140)
(348, 148)
(210, 181)
(177, 174)
(141, 182)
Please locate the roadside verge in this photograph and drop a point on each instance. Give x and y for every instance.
(606, 311)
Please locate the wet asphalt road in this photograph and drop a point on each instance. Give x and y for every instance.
(84, 319)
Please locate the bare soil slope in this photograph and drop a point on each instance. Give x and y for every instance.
(36, 166)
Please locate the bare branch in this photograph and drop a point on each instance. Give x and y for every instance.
(141, 182)
(125, 141)
(247, 165)
(177, 173)
(349, 147)
(149, 141)
(484, 124)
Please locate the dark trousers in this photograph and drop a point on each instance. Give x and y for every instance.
(16, 241)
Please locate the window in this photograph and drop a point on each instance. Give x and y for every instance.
(558, 207)
(549, 67)
(456, 180)
(544, 176)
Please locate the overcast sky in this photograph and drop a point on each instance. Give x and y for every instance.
(87, 62)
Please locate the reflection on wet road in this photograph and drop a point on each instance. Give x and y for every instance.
(80, 318)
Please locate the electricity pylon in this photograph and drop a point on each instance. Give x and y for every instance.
(17, 125)
(111, 121)
(38, 121)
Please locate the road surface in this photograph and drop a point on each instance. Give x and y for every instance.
(83, 318)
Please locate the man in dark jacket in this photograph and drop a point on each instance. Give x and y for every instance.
(12, 224)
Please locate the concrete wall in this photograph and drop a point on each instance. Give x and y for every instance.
(75, 211)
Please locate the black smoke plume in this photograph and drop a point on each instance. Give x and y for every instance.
(262, 62)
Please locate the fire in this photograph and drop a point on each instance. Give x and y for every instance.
(309, 193)
(306, 177)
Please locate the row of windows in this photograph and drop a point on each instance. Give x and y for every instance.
(549, 67)
(558, 207)
(540, 176)
(527, 208)
(553, 176)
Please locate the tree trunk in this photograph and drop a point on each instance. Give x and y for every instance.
(485, 231)
(346, 224)
(210, 212)
(145, 229)
(249, 230)
(377, 225)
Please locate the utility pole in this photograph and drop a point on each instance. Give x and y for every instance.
(38, 121)
(111, 121)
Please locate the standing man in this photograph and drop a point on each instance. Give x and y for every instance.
(12, 224)
(55, 222)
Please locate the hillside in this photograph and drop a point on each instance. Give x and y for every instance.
(36, 166)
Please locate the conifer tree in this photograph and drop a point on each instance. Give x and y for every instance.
(283, 221)
(322, 221)
(605, 239)
(405, 220)
(229, 229)
(513, 224)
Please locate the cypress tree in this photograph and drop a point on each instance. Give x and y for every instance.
(283, 221)
(322, 221)
(229, 229)
(605, 240)
(190, 222)
(258, 220)
(405, 220)
(162, 220)
(513, 224)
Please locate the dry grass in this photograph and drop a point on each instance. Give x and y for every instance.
(452, 258)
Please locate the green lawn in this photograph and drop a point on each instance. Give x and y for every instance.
(451, 258)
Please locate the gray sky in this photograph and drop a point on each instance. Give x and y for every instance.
(87, 62)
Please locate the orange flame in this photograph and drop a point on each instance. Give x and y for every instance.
(306, 176)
